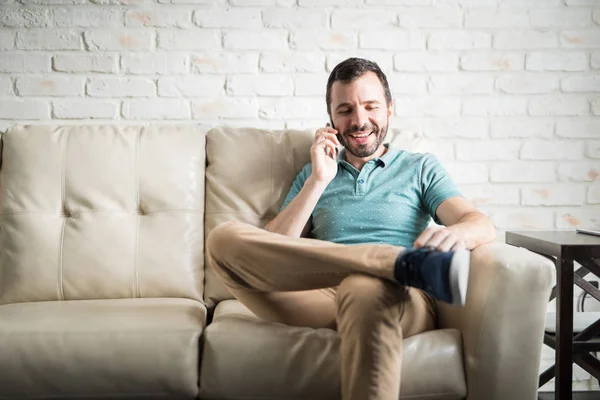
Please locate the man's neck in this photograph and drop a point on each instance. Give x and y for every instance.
(359, 162)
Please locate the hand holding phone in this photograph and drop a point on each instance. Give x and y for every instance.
(324, 154)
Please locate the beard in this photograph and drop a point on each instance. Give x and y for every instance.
(367, 149)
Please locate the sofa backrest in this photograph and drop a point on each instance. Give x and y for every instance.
(249, 173)
(92, 212)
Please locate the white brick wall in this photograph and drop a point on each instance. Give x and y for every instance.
(6, 86)
(191, 86)
(118, 40)
(491, 61)
(120, 87)
(63, 86)
(24, 62)
(551, 150)
(507, 92)
(84, 109)
(48, 39)
(521, 171)
(161, 18)
(557, 61)
(107, 63)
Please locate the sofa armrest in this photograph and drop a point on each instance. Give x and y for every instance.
(502, 322)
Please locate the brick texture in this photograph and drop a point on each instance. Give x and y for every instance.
(507, 93)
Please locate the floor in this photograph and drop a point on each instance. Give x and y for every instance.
(576, 396)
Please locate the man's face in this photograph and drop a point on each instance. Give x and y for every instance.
(360, 114)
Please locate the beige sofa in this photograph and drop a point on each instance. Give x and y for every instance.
(104, 292)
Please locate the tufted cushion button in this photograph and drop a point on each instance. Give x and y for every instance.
(66, 212)
(141, 210)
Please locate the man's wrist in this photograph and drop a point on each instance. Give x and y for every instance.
(315, 184)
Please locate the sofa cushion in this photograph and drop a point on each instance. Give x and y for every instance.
(92, 212)
(303, 363)
(249, 173)
(123, 348)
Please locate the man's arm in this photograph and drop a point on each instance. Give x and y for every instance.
(294, 219)
(466, 227)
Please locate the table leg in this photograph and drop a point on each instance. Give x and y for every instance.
(564, 329)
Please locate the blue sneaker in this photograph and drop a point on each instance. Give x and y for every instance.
(443, 275)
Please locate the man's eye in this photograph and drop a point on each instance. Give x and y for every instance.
(372, 108)
(344, 111)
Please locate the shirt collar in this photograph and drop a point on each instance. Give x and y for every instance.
(385, 159)
(389, 155)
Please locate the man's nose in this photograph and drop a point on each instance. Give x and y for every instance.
(359, 118)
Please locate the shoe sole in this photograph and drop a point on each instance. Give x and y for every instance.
(459, 276)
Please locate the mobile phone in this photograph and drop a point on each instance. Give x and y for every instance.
(338, 138)
(337, 134)
(589, 231)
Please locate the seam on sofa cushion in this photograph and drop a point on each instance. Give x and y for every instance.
(237, 213)
(121, 332)
(168, 395)
(209, 396)
(271, 180)
(440, 396)
(101, 210)
(267, 397)
(63, 174)
(59, 288)
(136, 282)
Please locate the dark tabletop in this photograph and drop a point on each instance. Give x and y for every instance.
(552, 242)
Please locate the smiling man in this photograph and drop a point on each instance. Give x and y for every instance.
(350, 249)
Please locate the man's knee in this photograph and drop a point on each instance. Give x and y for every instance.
(223, 240)
(365, 294)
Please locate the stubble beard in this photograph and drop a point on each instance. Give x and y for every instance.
(367, 149)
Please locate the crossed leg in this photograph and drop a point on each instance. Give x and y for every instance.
(292, 281)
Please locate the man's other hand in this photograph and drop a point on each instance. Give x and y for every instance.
(440, 238)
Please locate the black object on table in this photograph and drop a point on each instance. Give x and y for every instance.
(564, 248)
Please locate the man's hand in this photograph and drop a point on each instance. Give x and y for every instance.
(440, 238)
(323, 153)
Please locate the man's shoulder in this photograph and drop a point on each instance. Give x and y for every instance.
(409, 158)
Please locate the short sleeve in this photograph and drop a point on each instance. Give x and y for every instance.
(436, 185)
(297, 185)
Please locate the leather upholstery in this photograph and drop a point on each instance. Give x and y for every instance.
(97, 212)
(248, 174)
(502, 323)
(102, 277)
(123, 349)
(303, 363)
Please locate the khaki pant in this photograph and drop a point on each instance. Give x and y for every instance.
(314, 283)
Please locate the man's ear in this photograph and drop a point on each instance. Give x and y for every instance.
(390, 108)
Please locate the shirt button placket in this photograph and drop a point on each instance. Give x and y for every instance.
(362, 182)
(360, 185)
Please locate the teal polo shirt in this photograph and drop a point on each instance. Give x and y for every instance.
(391, 200)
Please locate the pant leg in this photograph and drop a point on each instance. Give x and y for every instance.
(374, 315)
(309, 308)
(247, 257)
(286, 280)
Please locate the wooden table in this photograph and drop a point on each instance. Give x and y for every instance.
(563, 248)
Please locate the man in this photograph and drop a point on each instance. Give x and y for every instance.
(366, 208)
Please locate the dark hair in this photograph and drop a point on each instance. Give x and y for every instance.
(351, 69)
